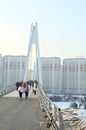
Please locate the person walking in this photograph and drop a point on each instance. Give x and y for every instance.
(17, 85)
(26, 92)
(20, 90)
(26, 89)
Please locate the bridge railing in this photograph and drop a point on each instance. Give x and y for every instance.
(6, 89)
(53, 112)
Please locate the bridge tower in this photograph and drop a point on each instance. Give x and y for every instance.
(33, 40)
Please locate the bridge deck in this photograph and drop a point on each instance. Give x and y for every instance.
(16, 114)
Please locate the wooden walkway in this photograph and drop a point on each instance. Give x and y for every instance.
(16, 114)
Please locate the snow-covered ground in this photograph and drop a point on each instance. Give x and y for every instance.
(77, 117)
(64, 105)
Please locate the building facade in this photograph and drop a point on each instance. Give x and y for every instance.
(74, 76)
(51, 74)
(1, 71)
(13, 69)
(68, 78)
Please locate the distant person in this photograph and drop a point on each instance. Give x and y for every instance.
(25, 89)
(24, 85)
(20, 90)
(36, 83)
(34, 88)
(26, 92)
(32, 83)
(17, 85)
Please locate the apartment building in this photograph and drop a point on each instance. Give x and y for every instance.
(13, 69)
(74, 76)
(1, 71)
(51, 74)
(68, 78)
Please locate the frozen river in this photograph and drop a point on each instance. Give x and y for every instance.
(62, 105)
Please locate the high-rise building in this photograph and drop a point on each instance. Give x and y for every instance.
(1, 71)
(74, 76)
(51, 74)
(13, 70)
(68, 78)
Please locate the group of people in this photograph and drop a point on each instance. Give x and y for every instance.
(23, 87)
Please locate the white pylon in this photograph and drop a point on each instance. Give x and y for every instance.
(34, 40)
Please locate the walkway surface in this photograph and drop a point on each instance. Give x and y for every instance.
(16, 114)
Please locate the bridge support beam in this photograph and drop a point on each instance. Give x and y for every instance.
(34, 40)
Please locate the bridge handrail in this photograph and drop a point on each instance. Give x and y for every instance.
(6, 89)
(53, 112)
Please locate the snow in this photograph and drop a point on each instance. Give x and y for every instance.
(62, 105)
(81, 112)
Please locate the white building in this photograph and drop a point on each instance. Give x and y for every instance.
(69, 78)
(14, 68)
(1, 70)
(51, 74)
(74, 76)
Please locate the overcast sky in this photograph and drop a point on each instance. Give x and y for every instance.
(61, 27)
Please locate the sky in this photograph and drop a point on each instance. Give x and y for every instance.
(61, 27)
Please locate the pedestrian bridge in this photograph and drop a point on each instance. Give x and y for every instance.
(34, 113)
(37, 112)
(16, 114)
